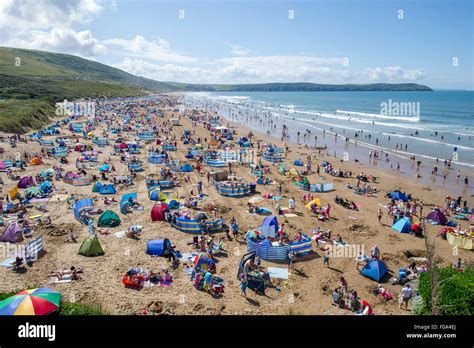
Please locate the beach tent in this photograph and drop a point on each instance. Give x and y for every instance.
(97, 186)
(403, 225)
(269, 226)
(154, 194)
(398, 196)
(125, 201)
(158, 212)
(33, 191)
(36, 161)
(13, 233)
(46, 186)
(186, 168)
(91, 247)
(298, 163)
(107, 189)
(158, 247)
(47, 172)
(437, 216)
(375, 269)
(25, 182)
(104, 168)
(315, 201)
(172, 203)
(108, 219)
(204, 262)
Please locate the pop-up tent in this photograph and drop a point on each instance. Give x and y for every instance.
(26, 181)
(269, 227)
(186, 168)
(375, 269)
(154, 194)
(97, 186)
(204, 262)
(403, 225)
(298, 163)
(108, 219)
(437, 216)
(398, 196)
(36, 161)
(13, 233)
(315, 201)
(107, 189)
(91, 247)
(158, 212)
(158, 247)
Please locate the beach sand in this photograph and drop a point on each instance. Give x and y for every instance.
(308, 289)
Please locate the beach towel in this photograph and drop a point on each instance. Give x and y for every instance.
(288, 215)
(280, 273)
(8, 262)
(119, 234)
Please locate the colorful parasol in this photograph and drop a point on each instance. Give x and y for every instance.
(41, 301)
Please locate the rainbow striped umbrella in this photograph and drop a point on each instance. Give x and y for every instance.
(41, 301)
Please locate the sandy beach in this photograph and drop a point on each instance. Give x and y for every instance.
(308, 289)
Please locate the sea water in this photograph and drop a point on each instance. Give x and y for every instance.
(433, 126)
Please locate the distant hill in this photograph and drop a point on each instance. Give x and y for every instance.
(303, 87)
(29, 90)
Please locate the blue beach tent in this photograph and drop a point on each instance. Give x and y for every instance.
(375, 269)
(403, 225)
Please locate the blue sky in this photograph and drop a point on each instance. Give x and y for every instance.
(338, 41)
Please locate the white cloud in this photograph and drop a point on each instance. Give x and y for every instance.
(158, 49)
(392, 73)
(49, 25)
(238, 50)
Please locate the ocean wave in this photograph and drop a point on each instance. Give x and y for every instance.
(386, 117)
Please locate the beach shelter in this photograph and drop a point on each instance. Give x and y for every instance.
(398, 196)
(269, 226)
(46, 186)
(403, 225)
(172, 203)
(36, 161)
(40, 301)
(298, 163)
(315, 201)
(186, 168)
(25, 182)
(154, 194)
(158, 212)
(91, 247)
(125, 201)
(204, 262)
(437, 216)
(47, 172)
(107, 189)
(375, 269)
(97, 186)
(104, 168)
(13, 233)
(86, 203)
(158, 247)
(108, 219)
(33, 191)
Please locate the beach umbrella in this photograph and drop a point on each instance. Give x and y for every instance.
(40, 301)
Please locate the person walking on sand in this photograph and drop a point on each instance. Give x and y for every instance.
(326, 258)
(243, 285)
(405, 296)
(379, 216)
(291, 266)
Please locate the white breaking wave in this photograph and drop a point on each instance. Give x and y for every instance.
(386, 117)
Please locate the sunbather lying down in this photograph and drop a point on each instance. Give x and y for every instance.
(71, 273)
